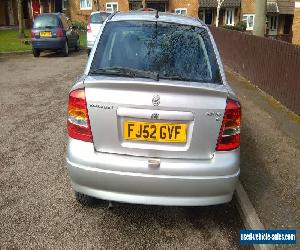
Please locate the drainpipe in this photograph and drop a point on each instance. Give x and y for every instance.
(260, 18)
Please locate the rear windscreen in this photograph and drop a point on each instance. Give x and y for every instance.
(99, 17)
(169, 49)
(46, 21)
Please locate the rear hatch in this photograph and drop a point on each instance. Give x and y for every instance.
(46, 26)
(185, 118)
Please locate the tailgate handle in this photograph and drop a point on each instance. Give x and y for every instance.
(158, 114)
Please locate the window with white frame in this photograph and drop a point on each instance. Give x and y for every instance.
(64, 4)
(85, 4)
(229, 16)
(181, 11)
(111, 7)
(249, 20)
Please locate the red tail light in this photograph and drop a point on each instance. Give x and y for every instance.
(229, 137)
(88, 27)
(60, 32)
(78, 119)
(32, 33)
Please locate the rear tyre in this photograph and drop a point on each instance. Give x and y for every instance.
(36, 52)
(65, 50)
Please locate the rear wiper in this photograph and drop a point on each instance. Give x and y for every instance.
(130, 72)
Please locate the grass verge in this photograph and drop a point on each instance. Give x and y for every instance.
(9, 41)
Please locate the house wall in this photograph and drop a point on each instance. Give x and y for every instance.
(74, 12)
(123, 5)
(191, 5)
(296, 24)
(247, 7)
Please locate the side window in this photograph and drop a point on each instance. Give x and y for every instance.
(249, 20)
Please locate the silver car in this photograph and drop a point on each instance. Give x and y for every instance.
(153, 120)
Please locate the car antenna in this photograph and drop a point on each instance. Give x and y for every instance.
(156, 16)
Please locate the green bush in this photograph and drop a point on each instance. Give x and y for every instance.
(81, 25)
(240, 26)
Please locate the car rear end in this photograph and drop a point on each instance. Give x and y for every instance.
(95, 22)
(169, 142)
(48, 33)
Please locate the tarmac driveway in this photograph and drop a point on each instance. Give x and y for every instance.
(37, 206)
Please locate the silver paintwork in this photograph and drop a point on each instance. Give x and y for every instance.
(188, 174)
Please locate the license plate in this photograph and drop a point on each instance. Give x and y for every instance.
(46, 34)
(154, 132)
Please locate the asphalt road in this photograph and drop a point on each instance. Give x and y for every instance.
(37, 206)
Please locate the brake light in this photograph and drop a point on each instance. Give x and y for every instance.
(60, 32)
(78, 119)
(32, 33)
(229, 137)
(88, 27)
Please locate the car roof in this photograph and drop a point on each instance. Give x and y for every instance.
(51, 14)
(151, 16)
(100, 12)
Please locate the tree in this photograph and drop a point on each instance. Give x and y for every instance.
(219, 4)
(260, 18)
(21, 19)
(144, 3)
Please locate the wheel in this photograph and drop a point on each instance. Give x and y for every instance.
(88, 52)
(77, 46)
(85, 200)
(65, 50)
(36, 52)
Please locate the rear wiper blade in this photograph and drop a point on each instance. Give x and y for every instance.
(130, 72)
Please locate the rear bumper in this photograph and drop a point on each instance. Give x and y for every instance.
(49, 43)
(128, 178)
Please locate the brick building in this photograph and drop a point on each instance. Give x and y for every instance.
(296, 23)
(279, 17)
(30, 8)
(229, 13)
(81, 9)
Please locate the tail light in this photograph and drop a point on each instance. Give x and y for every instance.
(88, 27)
(32, 33)
(60, 32)
(78, 120)
(229, 137)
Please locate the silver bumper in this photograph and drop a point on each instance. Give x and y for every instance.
(129, 179)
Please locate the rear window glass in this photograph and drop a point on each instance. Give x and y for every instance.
(99, 17)
(172, 50)
(45, 21)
